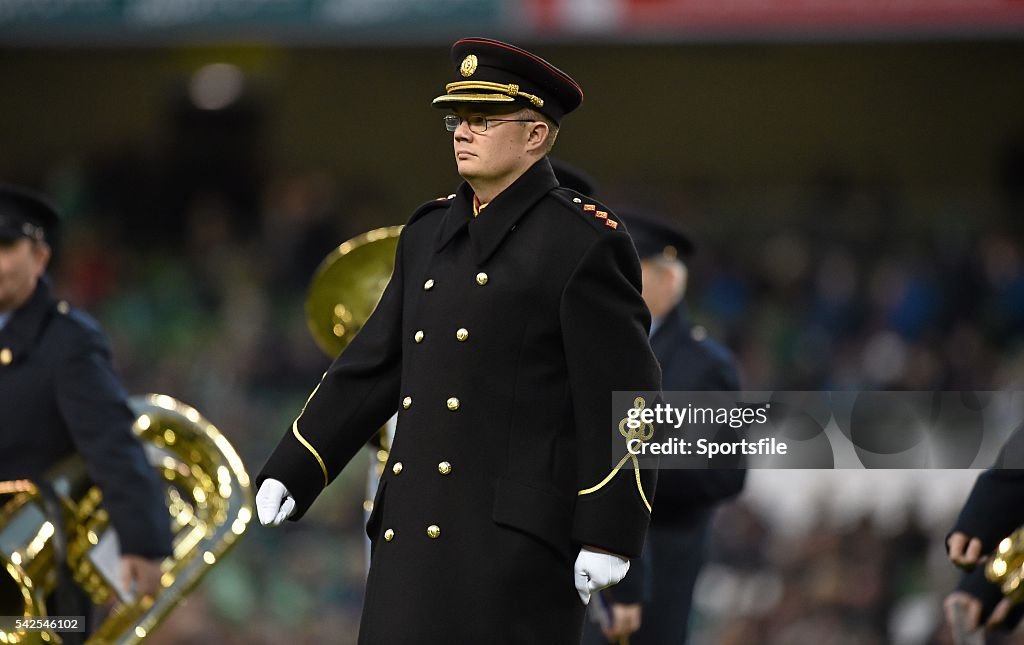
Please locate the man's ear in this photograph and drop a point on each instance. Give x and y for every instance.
(537, 136)
(41, 254)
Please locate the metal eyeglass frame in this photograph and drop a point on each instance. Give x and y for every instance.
(452, 122)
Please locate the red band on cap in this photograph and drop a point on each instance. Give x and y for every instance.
(528, 55)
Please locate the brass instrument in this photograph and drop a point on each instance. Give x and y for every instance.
(348, 285)
(210, 503)
(1006, 566)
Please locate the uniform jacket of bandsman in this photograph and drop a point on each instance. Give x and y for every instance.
(499, 339)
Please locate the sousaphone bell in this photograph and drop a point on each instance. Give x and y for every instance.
(348, 285)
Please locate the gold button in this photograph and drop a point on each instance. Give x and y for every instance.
(453, 404)
(368, 505)
(428, 285)
(397, 468)
(419, 336)
(444, 468)
(6, 356)
(63, 307)
(462, 334)
(434, 531)
(389, 535)
(407, 402)
(481, 278)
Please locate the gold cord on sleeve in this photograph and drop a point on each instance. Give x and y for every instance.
(642, 432)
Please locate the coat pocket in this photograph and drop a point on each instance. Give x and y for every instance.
(376, 515)
(545, 514)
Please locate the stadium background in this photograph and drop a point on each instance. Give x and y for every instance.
(853, 171)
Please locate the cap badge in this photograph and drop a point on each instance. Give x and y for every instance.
(468, 66)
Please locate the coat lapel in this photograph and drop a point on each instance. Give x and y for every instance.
(501, 216)
(460, 214)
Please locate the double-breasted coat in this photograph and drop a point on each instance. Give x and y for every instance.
(59, 396)
(500, 339)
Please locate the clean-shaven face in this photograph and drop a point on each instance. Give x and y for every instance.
(498, 152)
(22, 261)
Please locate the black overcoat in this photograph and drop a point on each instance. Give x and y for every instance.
(499, 340)
(59, 396)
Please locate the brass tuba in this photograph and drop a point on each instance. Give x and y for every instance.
(209, 499)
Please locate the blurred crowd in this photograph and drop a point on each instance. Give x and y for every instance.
(202, 292)
(855, 583)
(890, 308)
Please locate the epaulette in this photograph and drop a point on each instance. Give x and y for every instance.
(429, 207)
(75, 315)
(588, 208)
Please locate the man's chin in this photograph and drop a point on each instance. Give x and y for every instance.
(467, 168)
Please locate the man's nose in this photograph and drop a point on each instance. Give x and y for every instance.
(463, 132)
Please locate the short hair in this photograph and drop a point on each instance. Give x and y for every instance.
(552, 128)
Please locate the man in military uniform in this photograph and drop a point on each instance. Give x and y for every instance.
(59, 395)
(652, 604)
(513, 313)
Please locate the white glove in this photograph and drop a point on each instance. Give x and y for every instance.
(595, 570)
(274, 504)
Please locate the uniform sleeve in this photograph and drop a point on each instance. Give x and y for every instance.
(93, 405)
(354, 398)
(604, 333)
(685, 496)
(994, 508)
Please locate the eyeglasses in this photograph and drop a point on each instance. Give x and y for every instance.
(477, 122)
